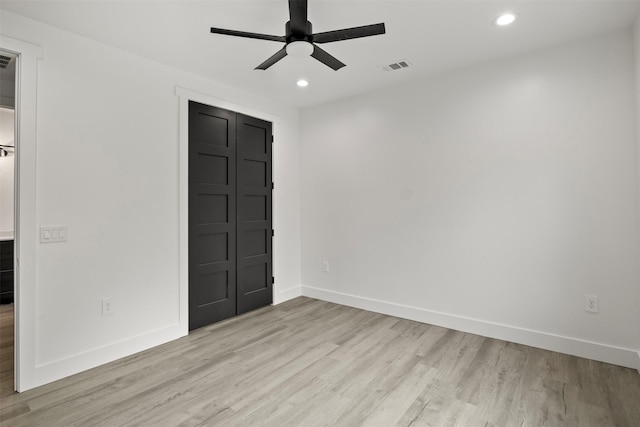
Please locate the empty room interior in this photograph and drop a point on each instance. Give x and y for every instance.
(320, 212)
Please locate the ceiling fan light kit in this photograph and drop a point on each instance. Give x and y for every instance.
(299, 49)
(300, 40)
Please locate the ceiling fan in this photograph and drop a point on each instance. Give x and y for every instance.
(301, 40)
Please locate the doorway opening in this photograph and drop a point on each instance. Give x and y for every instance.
(8, 177)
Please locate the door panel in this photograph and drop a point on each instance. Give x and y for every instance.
(254, 174)
(254, 242)
(211, 168)
(214, 209)
(212, 215)
(254, 222)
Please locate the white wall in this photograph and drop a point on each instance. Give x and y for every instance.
(490, 199)
(6, 172)
(107, 167)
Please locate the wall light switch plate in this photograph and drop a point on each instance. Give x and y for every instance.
(53, 234)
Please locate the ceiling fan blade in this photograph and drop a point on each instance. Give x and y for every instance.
(349, 33)
(248, 35)
(326, 59)
(273, 59)
(298, 16)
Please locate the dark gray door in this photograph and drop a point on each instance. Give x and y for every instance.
(212, 214)
(254, 221)
(230, 225)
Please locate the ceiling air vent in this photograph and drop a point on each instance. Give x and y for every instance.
(4, 61)
(397, 65)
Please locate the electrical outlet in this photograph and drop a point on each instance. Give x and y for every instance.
(107, 307)
(325, 266)
(591, 303)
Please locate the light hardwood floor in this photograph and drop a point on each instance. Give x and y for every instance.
(308, 362)
(6, 350)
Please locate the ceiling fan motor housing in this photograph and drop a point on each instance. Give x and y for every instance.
(307, 36)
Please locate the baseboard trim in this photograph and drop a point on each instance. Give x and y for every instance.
(591, 350)
(287, 294)
(48, 372)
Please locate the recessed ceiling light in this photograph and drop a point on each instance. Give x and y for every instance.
(504, 19)
(302, 83)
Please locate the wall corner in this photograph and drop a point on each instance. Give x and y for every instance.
(636, 50)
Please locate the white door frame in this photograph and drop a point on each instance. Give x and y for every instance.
(25, 210)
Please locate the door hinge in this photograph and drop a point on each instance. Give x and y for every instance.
(273, 186)
(273, 280)
(273, 233)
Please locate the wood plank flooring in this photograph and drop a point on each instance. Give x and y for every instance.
(312, 363)
(6, 350)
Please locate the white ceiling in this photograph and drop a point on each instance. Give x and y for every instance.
(434, 36)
